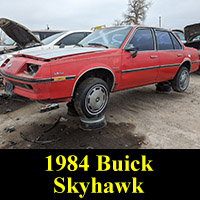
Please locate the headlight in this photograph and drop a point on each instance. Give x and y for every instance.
(32, 68)
(4, 62)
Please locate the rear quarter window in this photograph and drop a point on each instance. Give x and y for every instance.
(176, 43)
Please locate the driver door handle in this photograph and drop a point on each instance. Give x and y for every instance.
(153, 57)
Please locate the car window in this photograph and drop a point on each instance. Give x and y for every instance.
(52, 38)
(9, 41)
(37, 35)
(88, 33)
(142, 40)
(176, 44)
(164, 41)
(44, 34)
(72, 39)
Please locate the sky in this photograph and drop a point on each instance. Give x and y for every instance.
(84, 14)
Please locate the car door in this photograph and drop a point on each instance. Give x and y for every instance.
(170, 53)
(143, 68)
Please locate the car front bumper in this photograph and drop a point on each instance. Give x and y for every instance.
(43, 89)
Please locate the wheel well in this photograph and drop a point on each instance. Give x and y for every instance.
(103, 74)
(187, 64)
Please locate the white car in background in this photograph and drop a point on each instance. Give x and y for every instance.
(8, 45)
(28, 42)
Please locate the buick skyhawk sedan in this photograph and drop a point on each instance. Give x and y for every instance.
(108, 60)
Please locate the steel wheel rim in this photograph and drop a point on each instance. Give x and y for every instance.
(184, 80)
(96, 99)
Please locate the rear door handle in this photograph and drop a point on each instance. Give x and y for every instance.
(179, 55)
(153, 57)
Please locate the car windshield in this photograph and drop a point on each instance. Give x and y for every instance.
(180, 35)
(196, 38)
(112, 37)
(52, 38)
(8, 42)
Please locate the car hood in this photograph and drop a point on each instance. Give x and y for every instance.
(60, 53)
(20, 34)
(191, 31)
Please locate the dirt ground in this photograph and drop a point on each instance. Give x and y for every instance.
(139, 118)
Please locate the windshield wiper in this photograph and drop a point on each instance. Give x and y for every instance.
(78, 45)
(98, 44)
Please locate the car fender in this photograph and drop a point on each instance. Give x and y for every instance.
(90, 68)
(188, 61)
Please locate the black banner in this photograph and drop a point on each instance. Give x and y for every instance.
(99, 174)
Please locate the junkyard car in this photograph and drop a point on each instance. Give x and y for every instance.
(10, 45)
(192, 35)
(28, 41)
(180, 34)
(108, 60)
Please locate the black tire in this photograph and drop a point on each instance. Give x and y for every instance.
(181, 81)
(91, 98)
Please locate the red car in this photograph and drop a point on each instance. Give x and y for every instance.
(108, 60)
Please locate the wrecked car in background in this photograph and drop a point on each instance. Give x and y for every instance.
(10, 45)
(180, 34)
(192, 35)
(19, 34)
(28, 41)
(108, 60)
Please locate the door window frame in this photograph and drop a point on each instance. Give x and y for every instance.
(169, 33)
(133, 34)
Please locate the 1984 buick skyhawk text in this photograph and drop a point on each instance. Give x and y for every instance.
(108, 60)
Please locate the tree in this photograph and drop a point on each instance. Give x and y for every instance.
(136, 13)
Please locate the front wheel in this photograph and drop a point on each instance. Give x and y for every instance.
(91, 98)
(181, 81)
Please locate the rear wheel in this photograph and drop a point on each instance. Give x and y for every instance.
(181, 81)
(91, 98)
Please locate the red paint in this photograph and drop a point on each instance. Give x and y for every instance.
(117, 61)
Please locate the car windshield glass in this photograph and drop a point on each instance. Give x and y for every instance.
(112, 37)
(37, 35)
(51, 38)
(8, 42)
(180, 35)
(196, 38)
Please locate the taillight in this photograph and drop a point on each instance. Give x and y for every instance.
(32, 69)
(5, 63)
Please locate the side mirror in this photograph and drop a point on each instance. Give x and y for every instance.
(132, 50)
